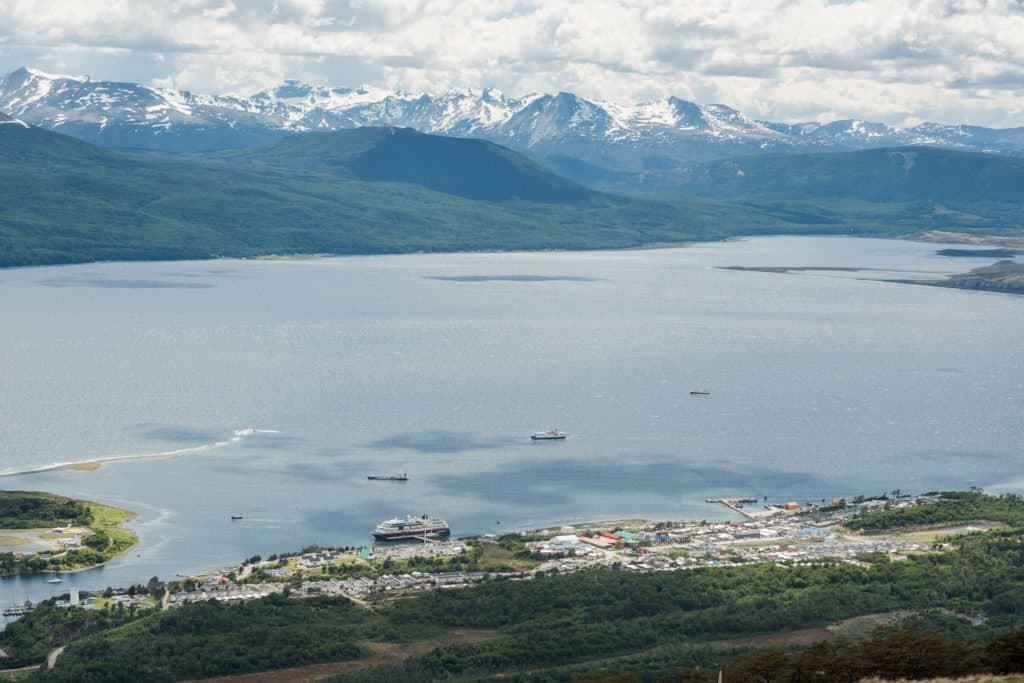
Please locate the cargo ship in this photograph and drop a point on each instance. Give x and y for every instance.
(411, 527)
(388, 477)
(549, 435)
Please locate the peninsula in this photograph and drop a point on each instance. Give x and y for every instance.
(1003, 276)
(43, 532)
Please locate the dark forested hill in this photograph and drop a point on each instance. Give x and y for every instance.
(879, 175)
(63, 200)
(469, 168)
(390, 190)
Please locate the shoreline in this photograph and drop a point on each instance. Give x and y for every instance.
(921, 236)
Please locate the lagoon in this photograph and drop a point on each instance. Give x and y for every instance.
(823, 384)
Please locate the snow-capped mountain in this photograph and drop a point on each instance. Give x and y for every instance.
(660, 135)
(10, 120)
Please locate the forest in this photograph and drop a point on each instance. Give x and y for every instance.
(955, 507)
(33, 510)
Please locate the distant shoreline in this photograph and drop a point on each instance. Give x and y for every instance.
(928, 237)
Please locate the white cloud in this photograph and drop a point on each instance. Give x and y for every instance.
(951, 60)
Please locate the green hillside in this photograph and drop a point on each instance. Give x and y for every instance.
(63, 200)
(905, 174)
(469, 168)
(391, 191)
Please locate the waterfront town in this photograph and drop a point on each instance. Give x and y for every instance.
(787, 534)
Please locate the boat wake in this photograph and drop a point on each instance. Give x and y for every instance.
(94, 463)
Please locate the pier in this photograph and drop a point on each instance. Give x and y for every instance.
(736, 505)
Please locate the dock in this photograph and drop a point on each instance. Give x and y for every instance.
(731, 503)
(736, 505)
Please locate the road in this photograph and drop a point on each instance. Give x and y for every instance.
(51, 659)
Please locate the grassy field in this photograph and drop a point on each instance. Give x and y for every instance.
(110, 519)
(37, 513)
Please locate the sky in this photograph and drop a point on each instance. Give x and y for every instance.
(951, 61)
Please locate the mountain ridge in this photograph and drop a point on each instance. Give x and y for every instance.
(665, 134)
(915, 173)
(464, 167)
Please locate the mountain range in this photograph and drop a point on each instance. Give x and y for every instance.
(614, 146)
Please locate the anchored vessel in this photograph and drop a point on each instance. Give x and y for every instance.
(700, 392)
(411, 527)
(18, 609)
(389, 477)
(549, 435)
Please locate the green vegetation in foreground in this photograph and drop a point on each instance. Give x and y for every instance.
(206, 639)
(63, 200)
(28, 640)
(597, 625)
(956, 507)
(916, 651)
(44, 511)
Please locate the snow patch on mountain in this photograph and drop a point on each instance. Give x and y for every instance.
(130, 114)
(10, 120)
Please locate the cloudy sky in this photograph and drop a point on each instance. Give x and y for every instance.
(790, 60)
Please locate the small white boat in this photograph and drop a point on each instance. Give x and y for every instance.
(549, 435)
(54, 580)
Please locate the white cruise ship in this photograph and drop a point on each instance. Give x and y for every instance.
(411, 527)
